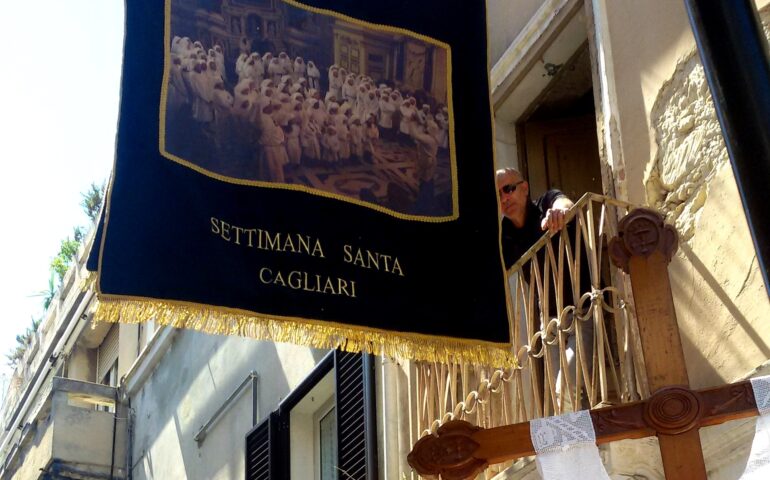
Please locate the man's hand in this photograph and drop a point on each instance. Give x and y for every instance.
(553, 221)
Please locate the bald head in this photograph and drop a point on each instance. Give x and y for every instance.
(507, 172)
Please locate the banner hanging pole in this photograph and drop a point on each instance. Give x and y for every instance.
(735, 57)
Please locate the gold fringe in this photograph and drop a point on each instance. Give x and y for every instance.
(89, 281)
(310, 333)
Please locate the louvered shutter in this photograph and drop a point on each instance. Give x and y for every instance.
(262, 450)
(108, 353)
(356, 426)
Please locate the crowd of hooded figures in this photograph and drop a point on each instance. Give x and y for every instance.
(280, 103)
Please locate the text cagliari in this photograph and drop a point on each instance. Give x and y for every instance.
(298, 243)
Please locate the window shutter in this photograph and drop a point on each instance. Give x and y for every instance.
(108, 353)
(262, 450)
(356, 423)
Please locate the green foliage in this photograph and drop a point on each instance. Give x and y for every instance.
(22, 343)
(92, 201)
(78, 234)
(48, 293)
(61, 262)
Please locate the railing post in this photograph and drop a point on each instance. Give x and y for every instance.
(643, 249)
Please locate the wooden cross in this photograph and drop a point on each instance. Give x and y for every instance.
(674, 412)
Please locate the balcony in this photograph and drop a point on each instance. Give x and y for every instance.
(74, 434)
(574, 333)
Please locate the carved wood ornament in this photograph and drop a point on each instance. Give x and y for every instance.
(643, 248)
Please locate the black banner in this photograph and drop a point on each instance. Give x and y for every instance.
(318, 172)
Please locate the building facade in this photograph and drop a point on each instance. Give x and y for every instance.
(595, 95)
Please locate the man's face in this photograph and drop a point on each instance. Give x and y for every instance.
(513, 205)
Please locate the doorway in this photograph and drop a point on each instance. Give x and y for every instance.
(557, 139)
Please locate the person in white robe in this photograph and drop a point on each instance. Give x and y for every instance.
(266, 96)
(372, 104)
(186, 45)
(343, 133)
(176, 46)
(219, 57)
(223, 108)
(309, 134)
(387, 109)
(442, 121)
(317, 113)
(286, 63)
(255, 69)
(313, 76)
(200, 80)
(275, 70)
(240, 64)
(293, 131)
(356, 138)
(349, 89)
(243, 90)
(214, 73)
(332, 146)
(425, 165)
(329, 99)
(408, 113)
(283, 111)
(299, 69)
(333, 117)
(371, 139)
(335, 81)
(178, 94)
(272, 140)
(360, 103)
(188, 65)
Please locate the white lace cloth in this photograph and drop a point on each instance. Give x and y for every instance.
(566, 447)
(758, 467)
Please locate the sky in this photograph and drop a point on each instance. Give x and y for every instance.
(60, 84)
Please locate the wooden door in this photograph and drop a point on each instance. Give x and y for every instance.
(563, 154)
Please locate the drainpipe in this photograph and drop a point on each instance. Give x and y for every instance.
(735, 57)
(129, 440)
(114, 431)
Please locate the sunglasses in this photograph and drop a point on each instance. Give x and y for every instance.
(511, 187)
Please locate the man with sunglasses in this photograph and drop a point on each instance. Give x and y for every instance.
(525, 221)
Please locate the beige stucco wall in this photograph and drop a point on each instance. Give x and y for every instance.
(676, 162)
(505, 19)
(83, 437)
(128, 346)
(81, 364)
(38, 455)
(192, 379)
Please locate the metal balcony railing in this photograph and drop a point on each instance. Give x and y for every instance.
(573, 331)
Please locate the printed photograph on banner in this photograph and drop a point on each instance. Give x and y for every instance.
(273, 93)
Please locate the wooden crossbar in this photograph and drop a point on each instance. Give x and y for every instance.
(674, 413)
(460, 450)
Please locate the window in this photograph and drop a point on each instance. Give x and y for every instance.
(331, 413)
(110, 379)
(326, 437)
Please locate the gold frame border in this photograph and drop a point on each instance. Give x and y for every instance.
(302, 188)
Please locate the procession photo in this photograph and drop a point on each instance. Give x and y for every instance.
(270, 92)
